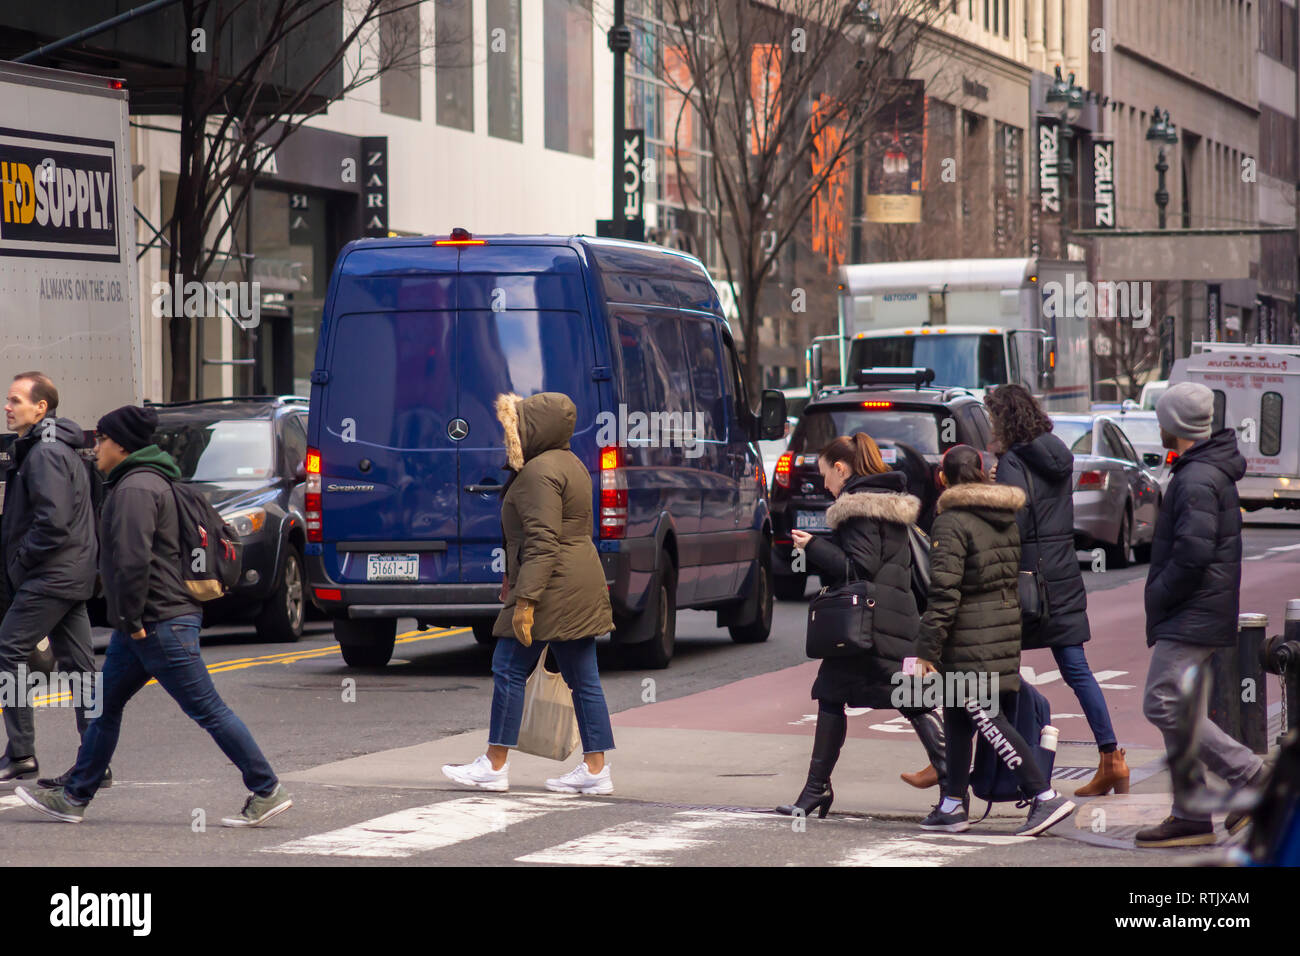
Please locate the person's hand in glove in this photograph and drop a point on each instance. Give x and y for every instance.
(523, 621)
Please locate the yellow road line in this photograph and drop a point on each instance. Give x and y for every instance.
(285, 657)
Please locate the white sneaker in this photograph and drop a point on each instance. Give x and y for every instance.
(479, 774)
(582, 780)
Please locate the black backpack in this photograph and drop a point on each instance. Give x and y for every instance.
(211, 552)
(990, 779)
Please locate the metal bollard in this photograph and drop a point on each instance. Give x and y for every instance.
(1281, 655)
(1230, 669)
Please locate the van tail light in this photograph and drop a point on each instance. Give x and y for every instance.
(613, 493)
(782, 474)
(1171, 457)
(1093, 481)
(312, 496)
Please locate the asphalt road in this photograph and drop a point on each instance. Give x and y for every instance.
(298, 699)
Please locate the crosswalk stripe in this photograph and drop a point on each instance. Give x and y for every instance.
(8, 803)
(918, 852)
(637, 843)
(432, 827)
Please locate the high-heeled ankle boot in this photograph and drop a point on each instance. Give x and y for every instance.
(929, 728)
(1112, 774)
(832, 727)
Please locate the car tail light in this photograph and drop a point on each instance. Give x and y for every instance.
(1092, 481)
(877, 404)
(613, 494)
(1171, 457)
(312, 495)
(329, 594)
(782, 473)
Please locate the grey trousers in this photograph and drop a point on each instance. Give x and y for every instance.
(29, 618)
(1234, 762)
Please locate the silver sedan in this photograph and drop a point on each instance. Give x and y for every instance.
(1116, 498)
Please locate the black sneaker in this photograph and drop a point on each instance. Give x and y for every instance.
(61, 781)
(1175, 831)
(1044, 814)
(954, 822)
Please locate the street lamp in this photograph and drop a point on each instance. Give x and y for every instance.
(1161, 133)
(1068, 95)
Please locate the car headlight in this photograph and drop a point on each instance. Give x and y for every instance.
(246, 521)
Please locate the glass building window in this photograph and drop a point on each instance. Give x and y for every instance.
(399, 53)
(504, 69)
(567, 60)
(453, 36)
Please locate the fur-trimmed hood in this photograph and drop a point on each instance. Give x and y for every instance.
(887, 506)
(535, 424)
(978, 495)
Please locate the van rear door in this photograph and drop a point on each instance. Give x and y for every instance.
(524, 327)
(388, 463)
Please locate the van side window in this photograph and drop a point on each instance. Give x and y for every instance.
(1220, 403)
(1270, 423)
(706, 379)
(655, 376)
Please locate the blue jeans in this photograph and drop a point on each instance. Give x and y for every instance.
(1075, 671)
(169, 652)
(511, 665)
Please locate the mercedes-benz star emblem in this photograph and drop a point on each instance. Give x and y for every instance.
(457, 429)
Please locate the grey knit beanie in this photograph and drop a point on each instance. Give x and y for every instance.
(1186, 410)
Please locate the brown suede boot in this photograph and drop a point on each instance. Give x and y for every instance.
(1112, 774)
(922, 780)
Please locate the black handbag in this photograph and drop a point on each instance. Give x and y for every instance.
(919, 542)
(840, 619)
(1035, 610)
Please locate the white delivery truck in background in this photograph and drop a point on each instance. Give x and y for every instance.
(69, 304)
(1257, 393)
(977, 322)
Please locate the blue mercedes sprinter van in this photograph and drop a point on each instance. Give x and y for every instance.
(407, 460)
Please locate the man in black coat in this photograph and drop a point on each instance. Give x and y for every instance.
(1192, 593)
(49, 549)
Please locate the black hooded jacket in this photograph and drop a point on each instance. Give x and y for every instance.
(1192, 592)
(869, 536)
(1047, 535)
(47, 532)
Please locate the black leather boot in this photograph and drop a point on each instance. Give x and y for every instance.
(18, 768)
(929, 728)
(832, 727)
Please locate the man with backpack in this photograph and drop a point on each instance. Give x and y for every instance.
(47, 542)
(156, 624)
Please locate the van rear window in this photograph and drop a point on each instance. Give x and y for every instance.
(920, 429)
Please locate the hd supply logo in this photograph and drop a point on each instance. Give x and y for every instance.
(58, 197)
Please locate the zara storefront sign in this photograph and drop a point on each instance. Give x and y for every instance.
(1103, 184)
(1049, 154)
(374, 186)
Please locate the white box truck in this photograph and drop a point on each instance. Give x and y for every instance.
(977, 322)
(1257, 393)
(69, 304)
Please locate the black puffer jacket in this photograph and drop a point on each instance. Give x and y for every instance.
(972, 617)
(47, 533)
(869, 523)
(1048, 534)
(1192, 592)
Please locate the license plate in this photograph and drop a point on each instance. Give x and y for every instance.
(392, 567)
(811, 521)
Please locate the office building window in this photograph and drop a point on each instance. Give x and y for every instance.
(453, 37)
(399, 52)
(567, 60)
(505, 97)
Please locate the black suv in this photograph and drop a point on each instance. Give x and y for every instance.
(913, 422)
(247, 455)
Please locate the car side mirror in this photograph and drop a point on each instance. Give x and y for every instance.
(300, 471)
(771, 416)
(1151, 459)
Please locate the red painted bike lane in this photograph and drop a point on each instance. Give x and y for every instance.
(779, 702)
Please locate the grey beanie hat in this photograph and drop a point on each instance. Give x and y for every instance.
(1186, 410)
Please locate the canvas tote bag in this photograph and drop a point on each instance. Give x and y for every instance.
(549, 728)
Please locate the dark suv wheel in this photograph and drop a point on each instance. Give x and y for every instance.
(283, 613)
(367, 643)
(789, 587)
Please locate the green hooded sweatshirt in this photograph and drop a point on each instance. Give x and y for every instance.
(150, 456)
